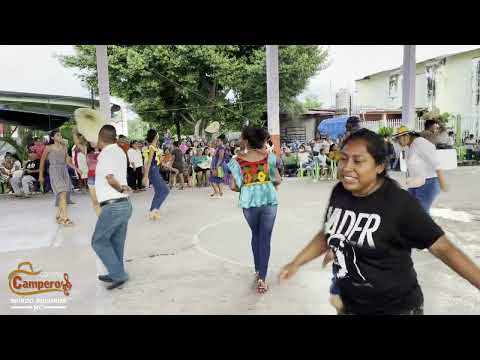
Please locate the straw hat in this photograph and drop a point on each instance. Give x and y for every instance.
(213, 127)
(403, 130)
(89, 122)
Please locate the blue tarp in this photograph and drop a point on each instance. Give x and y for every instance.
(333, 127)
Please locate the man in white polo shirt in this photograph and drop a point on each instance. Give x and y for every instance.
(108, 240)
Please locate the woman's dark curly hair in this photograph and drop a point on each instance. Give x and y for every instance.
(255, 136)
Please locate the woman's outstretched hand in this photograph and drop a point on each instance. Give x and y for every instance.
(288, 272)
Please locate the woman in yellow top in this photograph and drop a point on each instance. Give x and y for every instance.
(334, 154)
(152, 174)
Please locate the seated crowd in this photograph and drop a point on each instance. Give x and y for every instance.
(186, 162)
(297, 157)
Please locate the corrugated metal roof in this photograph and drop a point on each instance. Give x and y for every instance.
(314, 112)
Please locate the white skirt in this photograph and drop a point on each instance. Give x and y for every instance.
(82, 165)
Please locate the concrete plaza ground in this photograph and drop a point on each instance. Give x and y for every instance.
(197, 258)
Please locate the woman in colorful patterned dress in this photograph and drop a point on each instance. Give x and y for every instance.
(255, 176)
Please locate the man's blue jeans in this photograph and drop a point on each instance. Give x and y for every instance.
(108, 240)
(261, 221)
(426, 193)
(161, 189)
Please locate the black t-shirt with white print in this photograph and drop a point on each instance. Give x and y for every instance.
(372, 238)
(33, 165)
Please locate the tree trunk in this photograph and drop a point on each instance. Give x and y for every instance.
(177, 124)
(197, 129)
(212, 93)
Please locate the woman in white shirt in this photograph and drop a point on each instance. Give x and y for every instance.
(425, 179)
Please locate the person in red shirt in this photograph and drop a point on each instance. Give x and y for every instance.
(37, 147)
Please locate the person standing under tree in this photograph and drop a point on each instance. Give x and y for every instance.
(92, 159)
(136, 165)
(217, 168)
(108, 240)
(56, 153)
(255, 177)
(152, 175)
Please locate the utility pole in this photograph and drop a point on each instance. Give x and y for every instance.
(92, 97)
(103, 84)
(273, 98)
(408, 88)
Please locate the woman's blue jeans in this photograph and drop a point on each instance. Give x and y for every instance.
(426, 193)
(261, 221)
(161, 189)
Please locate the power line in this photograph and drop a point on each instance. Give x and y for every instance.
(200, 96)
(197, 107)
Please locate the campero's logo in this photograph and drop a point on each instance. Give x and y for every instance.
(24, 282)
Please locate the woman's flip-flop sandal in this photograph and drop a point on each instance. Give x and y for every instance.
(67, 222)
(262, 287)
(256, 277)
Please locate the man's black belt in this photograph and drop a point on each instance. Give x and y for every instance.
(113, 201)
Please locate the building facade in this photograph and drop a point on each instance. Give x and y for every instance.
(342, 101)
(303, 127)
(449, 83)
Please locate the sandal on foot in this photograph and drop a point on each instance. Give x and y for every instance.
(66, 222)
(256, 277)
(262, 287)
(150, 215)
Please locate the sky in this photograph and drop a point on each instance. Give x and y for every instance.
(34, 68)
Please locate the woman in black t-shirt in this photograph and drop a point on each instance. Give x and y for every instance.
(371, 225)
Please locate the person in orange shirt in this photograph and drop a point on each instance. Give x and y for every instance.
(123, 143)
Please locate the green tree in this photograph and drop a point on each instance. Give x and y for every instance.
(137, 129)
(386, 131)
(20, 144)
(311, 102)
(187, 85)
